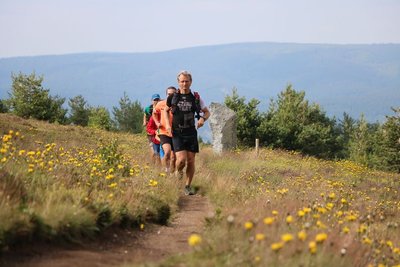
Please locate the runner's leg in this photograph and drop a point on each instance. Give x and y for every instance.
(166, 161)
(181, 157)
(191, 156)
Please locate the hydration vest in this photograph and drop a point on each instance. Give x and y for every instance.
(184, 107)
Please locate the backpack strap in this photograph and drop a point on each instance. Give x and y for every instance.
(197, 104)
(174, 101)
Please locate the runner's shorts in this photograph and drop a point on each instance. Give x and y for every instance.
(164, 139)
(186, 142)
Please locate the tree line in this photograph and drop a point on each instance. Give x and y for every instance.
(28, 99)
(292, 123)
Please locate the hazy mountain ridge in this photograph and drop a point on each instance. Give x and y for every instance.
(341, 78)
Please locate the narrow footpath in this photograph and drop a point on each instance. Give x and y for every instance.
(120, 246)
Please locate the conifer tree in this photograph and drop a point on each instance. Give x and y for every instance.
(100, 118)
(388, 151)
(360, 143)
(128, 116)
(3, 106)
(28, 99)
(292, 123)
(79, 113)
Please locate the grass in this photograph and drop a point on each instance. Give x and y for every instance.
(283, 209)
(277, 208)
(67, 182)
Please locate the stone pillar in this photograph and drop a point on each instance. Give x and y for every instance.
(223, 127)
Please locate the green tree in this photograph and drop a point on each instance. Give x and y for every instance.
(360, 144)
(346, 129)
(28, 99)
(128, 116)
(79, 113)
(388, 143)
(3, 106)
(100, 118)
(248, 117)
(292, 123)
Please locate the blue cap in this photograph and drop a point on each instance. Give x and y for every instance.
(155, 96)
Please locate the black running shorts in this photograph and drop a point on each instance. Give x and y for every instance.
(185, 142)
(164, 139)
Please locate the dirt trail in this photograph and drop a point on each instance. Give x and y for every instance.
(122, 246)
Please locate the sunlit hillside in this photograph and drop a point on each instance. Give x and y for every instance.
(69, 182)
(274, 208)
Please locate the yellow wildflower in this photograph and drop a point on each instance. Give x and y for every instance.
(260, 237)
(110, 176)
(268, 220)
(301, 213)
(312, 246)
(287, 238)
(330, 205)
(321, 237)
(362, 229)
(153, 182)
(307, 210)
(289, 219)
(277, 246)
(302, 235)
(351, 217)
(248, 225)
(194, 240)
(112, 185)
(366, 240)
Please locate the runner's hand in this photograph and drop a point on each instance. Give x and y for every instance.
(200, 122)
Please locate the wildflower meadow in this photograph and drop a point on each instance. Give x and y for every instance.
(274, 208)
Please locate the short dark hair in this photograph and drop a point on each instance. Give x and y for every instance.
(169, 88)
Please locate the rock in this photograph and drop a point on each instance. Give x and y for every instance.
(223, 127)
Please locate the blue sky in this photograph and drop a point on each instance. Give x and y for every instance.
(42, 27)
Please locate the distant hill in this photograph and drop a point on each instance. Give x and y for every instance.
(341, 78)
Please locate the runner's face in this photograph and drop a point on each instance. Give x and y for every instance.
(184, 82)
(170, 92)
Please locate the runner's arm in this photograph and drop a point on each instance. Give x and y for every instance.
(166, 116)
(204, 117)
